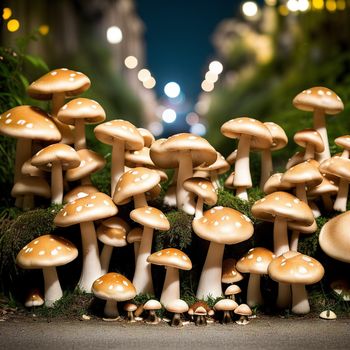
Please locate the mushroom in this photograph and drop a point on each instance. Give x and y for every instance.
(113, 287)
(152, 306)
(220, 226)
(79, 192)
(255, 262)
(139, 158)
(56, 158)
(341, 288)
(79, 112)
(34, 298)
(152, 219)
(311, 140)
(226, 306)
(135, 236)
(229, 181)
(147, 136)
(229, 272)
(231, 158)
(344, 142)
(298, 270)
(199, 311)
(232, 290)
(173, 260)
(251, 134)
(275, 183)
(112, 232)
(84, 211)
(130, 308)
(320, 101)
(177, 307)
(46, 252)
(244, 311)
(122, 135)
(328, 315)
(296, 158)
(297, 229)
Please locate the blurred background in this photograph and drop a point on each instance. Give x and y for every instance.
(184, 65)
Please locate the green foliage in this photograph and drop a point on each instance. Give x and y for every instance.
(141, 298)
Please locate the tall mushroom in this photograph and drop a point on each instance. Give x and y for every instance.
(135, 236)
(220, 226)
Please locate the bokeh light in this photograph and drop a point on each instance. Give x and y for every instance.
(131, 62)
(304, 5)
(114, 35)
(250, 9)
(44, 29)
(207, 86)
(169, 115)
(149, 83)
(13, 25)
(293, 5)
(156, 128)
(198, 129)
(216, 67)
(192, 118)
(211, 76)
(172, 89)
(143, 74)
(6, 13)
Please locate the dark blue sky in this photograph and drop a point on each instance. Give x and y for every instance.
(178, 39)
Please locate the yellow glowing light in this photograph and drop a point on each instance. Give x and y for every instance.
(6, 13)
(149, 83)
(331, 5)
(211, 76)
(143, 74)
(250, 9)
(13, 25)
(283, 10)
(318, 4)
(131, 62)
(44, 29)
(207, 86)
(341, 5)
(271, 2)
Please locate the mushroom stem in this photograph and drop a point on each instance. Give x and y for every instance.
(28, 202)
(105, 258)
(320, 126)
(136, 250)
(56, 183)
(210, 280)
(142, 280)
(309, 151)
(283, 296)
(226, 318)
(140, 201)
(300, 192)
(241, 193)
(300, 302)
(266, 166)
(345, 154)
(254, 296)
(242, 169)
(342, 196)
(111, 309)
(327, 202)
(214, 178)
(315, 209)
(79, 134)
(280, 237)
(184, 198)
(118, 153)
(294, 240)
(53, 290)
(176, 320)
(86, 180)
(91, 269)
(199, 208)
(57, 102)
(170, 196)
(171, 287)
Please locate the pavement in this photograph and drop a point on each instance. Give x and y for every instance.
(260, 333)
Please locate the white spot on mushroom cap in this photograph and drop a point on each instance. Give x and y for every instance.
(79, 208)
(53, 73)
(8, 121)
(79, 102)
(302, 269)
(29, 125)
(42, 252)
(320, 92)
(65, 107)
(259, 259)
(54, 252)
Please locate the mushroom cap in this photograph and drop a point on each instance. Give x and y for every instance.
(31, 170)
(229, 272)
(67, 131)
(296, 158)
(113, 286)
(113, 232)
(229, 181)
(274, 183)
(134, 235)
(327, 186)
(256, 260)
(160, 156)
(223, 225)
(284, 205)
(46, 251)
(171, 257)
(202, 188)
(133, 182)
(29, 123)
(90, 162)
(121, 130)
(328, 315)
(243, 310)
(148, 137)
(150, 217)
(90, 208)
(318, 97)
(34, 298)
(177, 306)
(140, 157)
(79, 192)
(31, 185)
(232, 289)
(70, 82)
(152, 304)
(334, 237)
(343, 141)
(309, 136)
(279, 137)
(220, 166)
(337, 166)
(199, 308)
(309, 229)
(260, 135)
(129, 307)
(225, 305)
(295, 268)
(66, 155)
(81, 108)
(231, 158)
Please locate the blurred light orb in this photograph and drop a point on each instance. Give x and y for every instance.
(6, 13)
(250, 9)
(172, 89)
(114, 35)
(131, 62)
(341, 5)
(216, 67)
(304, 5)
(198, 129)
(13, 25)
(283, 10)
(211, 76)
(143, 74)
(169, 116)
(156, 128)
(318, 4)
(271, 2)
(44, 29)
(331, 5)
(207, 86)
(192, 118)
(149, 83)
(293, 5)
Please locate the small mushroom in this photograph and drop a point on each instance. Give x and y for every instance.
(328, 315)
(177, 307)
(229, 272)
(152, 306)
(147, 136)
(226, 306)
(341, 288)
(244, 311)
(344, 142)
(232, 290)
(130, 308)
(274, 183)
(297, 229)
(311, 140)
(199, 311)
(34, 298)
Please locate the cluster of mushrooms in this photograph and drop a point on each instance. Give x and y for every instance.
(55, 143)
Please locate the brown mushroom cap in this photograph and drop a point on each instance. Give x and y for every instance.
(221, 166)
(229, 272)
(229, 181)
(279, 137)
(283, 205)
(31, 185)
(79, 192)
(31, 170)
(113, 232)
(152, 305)
(256, 260)
(243, 310)
(81, 108)
(232, 289)
(148, 137)
(337, 166)
(46, 251)
(318, 97)
(296, 158)
(260, 134)
(295, 268)
(274, 183)
(334, 237)
(34, 298)
(309, 136)
(343, 141)
(325, 187)
(303, 228)
(70, 82)
(223, 225)
(30, 123)
(130, 307)
(199, 308)
(160, 156)
(231, 158)
(113, 286)
(150, 217)
(177, 306)
(90, 208)
(171, 257)
(134, 235)
(202, 188)
(225, 305)
(141, 157)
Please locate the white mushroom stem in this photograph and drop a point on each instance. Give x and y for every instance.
(241, 193)
(309, 151)
(184, 198)
(140, 201)
(320, 126)
(142, 280)
(170, 196)
(300, 302)
(56, 183)
(214, 178)
(280, 236)
(266, 166)
(105, 258)
(58, 100)
(210, 280)
(199, 208)
(171, 287)
(294, 240)
(111, 309)
(53, 290)
(79, 134)
(136, 250)
(315, 209)
(300, 192)
(342, 196)
(118, 155)
(91, 269)
(345, 154)
(254, 296)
